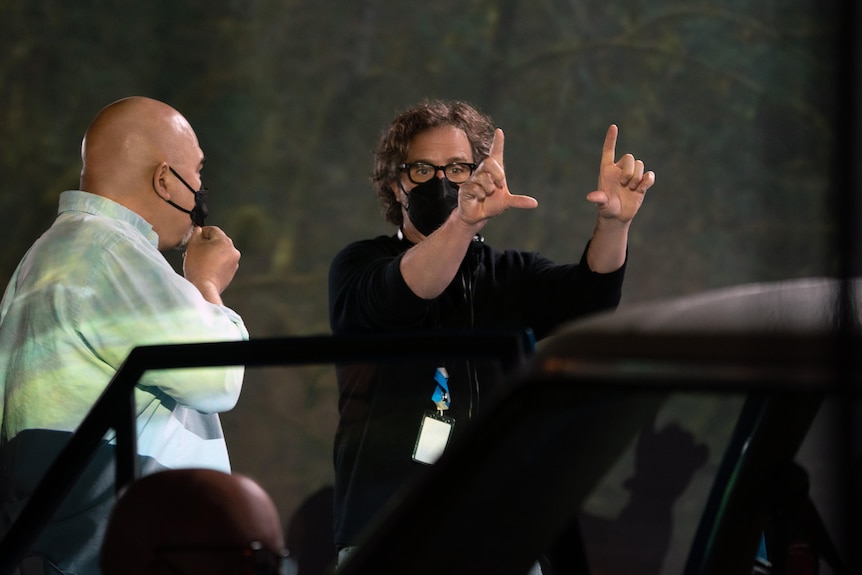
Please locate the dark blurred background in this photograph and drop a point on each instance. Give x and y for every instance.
(731, 103)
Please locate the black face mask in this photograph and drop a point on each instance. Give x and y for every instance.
(430, 203)
(200, 211)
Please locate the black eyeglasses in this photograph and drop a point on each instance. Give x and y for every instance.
(421, 172)
(259, 559)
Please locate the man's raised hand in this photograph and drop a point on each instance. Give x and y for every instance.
(486, 194)
(622, 184)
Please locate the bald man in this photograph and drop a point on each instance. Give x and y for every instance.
(194, 521)
(96, 285)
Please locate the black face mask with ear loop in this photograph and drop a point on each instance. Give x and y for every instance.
(198, 213)
(430, 203)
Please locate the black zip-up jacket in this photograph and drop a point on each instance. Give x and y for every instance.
(381, 406)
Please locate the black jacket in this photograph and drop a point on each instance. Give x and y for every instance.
(381, 406)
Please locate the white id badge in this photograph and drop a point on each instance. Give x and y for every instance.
(434, 432)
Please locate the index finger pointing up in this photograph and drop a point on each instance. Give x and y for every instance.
(609, 149)
(496, 151)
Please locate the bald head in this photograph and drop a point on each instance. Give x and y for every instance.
(127, 140)
(128, 153)
(188, 509)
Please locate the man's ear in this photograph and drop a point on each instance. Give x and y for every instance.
(160, 185)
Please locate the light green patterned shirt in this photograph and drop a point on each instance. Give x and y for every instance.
(93, 287)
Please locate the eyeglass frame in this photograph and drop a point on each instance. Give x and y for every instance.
(408, 167)
(255, 550)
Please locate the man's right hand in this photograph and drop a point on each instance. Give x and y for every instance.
(486, 194)
(210, 262)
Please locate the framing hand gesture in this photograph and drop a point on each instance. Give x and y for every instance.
(622, 184)
(486, 194)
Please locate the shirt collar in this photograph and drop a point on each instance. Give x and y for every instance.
(79, 201)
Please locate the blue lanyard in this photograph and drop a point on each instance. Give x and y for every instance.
(440, 397)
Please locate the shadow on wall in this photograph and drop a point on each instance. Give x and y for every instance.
(665, 462)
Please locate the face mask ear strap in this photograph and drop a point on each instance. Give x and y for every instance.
(406, 196)
(179, 207)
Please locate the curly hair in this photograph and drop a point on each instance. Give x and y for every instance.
(392, 148)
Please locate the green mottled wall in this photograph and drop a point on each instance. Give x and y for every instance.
(730, 103)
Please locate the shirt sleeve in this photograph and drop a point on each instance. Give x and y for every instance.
(368, 293)
(136, 298)
(554, 294)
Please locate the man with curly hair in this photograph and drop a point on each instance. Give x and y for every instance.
(439, 175)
